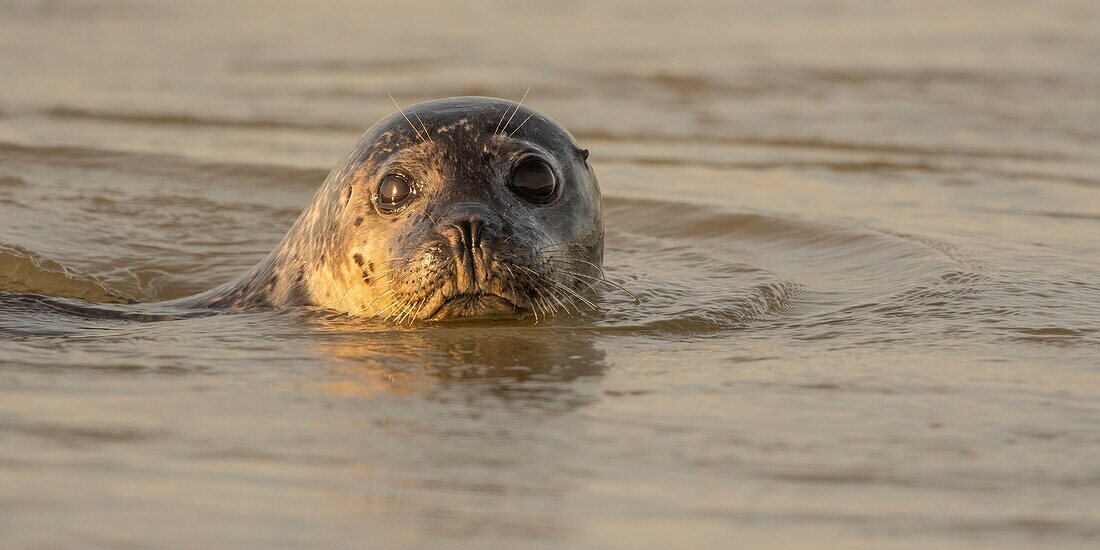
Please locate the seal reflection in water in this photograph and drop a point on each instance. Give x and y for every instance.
(531, 365)
(465, 207)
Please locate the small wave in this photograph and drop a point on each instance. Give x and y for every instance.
(701, 269)
(26, 315)
(263, 176)
(186, 119)
(76, 434)
(702, 315)
(24, 271)
(1063, 336)
(12, 181)
(694, 222)
(818, 144)
(1056, 215)
(870, 165)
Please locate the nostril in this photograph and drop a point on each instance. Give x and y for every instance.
(466, 233)
(473, 230)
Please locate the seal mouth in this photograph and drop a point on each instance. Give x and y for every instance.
(477, 306)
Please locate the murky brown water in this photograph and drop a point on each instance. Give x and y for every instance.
(866, 238)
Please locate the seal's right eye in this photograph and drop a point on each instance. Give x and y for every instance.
(393, 192)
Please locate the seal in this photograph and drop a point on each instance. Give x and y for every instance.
(466, 207)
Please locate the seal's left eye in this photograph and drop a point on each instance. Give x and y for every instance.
(534, 180)
(393, 192)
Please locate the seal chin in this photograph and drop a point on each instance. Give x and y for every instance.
(477, 306)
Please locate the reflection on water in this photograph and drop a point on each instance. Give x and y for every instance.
(526, 364)
(863, 238)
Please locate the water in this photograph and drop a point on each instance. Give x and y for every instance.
(865, 239)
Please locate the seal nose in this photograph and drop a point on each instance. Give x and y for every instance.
(464, 232)
(464, 224)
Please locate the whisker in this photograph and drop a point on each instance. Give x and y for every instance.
(540, 301)
(511, 283)
(401, 313)
(566, 291)
(561, 295)
(425, 127)
(518, 105)
(546, 309)
(577, 295)
(520, 124)
(402, 111)
(379, 297)
(407, 315)
(543, 279)
(393, 304)
(586, 262)
(423, 304)
(605, 281)
(573, 292)
(502, 115)
(553, 246)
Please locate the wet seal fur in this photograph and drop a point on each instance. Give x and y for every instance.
(465, 244)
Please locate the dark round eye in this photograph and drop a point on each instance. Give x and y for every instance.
(393, 192)
(534, 180)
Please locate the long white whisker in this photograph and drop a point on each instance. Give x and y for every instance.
(423, 304)
(406, 316)
(542, 297)
(577, 295)
(518, 105)
(612, 284)
(393, 304)
(586, 262)
(379, 297)
(424, 126)
(520, 124)
(402, 111)
(511, 283)
(554, 295)
(566, 291)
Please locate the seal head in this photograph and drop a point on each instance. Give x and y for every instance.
(464, 207)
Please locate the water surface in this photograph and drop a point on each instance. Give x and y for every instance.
(866, 241)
